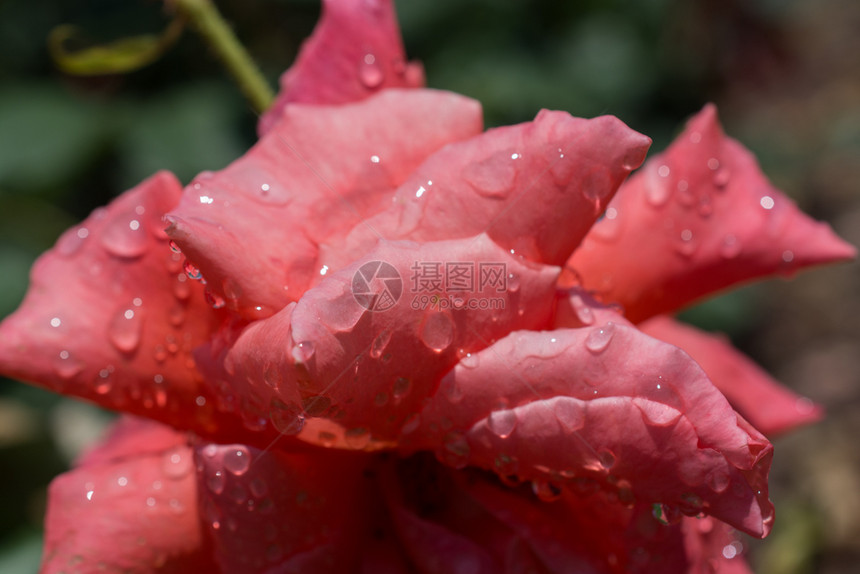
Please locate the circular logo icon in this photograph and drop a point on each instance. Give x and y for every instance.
(377, 286)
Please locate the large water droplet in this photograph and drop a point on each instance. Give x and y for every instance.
(657, 190)
(599, 338)
(124, 237)
(452, 390)
(721, 178)
(191, 271)
(357, 438)
(66, 366)
(125, 328)
(730, 247)
(657, 414)
(455, 451)
(370, 72)
(177, 463)
(401, 388)
(379, 344)
(546, 490)
(237, 460)
(718, 480)
(71, 241)
(583, 311)
(216, 482)
(437, 330)
(570, 413)
(609, 227)
(502, 423)
(303, 352)
(492, 177)
(606, 457)
(470, 360)
(288, 419)
(665, 514)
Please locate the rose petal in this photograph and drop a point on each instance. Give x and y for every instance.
(111, 316)
(606, 405)
(365, 362)
(712, 220)
(593, 533)
(282, 512)
(535, 188)
(770, 407)
(355, 51)
(130, 512)
(254, 228)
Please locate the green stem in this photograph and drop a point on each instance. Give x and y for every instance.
(205, 18)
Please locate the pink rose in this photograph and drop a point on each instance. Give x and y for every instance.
(383, 341)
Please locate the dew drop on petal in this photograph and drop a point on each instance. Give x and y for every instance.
(237, 460)
(502, 423)
(665, 514)
(599, 338)
(570, 413)
(124, 238)
(470, 360)
(370, 73)
(303, 352)
(437, 331)
(125, 329)
(718, 480)
(606, 457)
(379, 343)
(730, 247)
(66, 366)
(357, 438)
(546, 490)
(402, 386)
(288, 419)
(583, 311)
(176, 463)
(455, 451)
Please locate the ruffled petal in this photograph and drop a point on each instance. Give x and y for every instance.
(270, 511)
(111, 316)
(364, 348)
(354, 52)
(711, 220)
(131, 506)
(594, 532)
(770, 407)
(254, 228)
(535, 188)
(605, 405)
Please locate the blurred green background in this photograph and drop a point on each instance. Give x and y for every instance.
(784, 73)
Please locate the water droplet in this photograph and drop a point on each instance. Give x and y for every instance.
(182, 288)
(657, 191)
(379, 344)
(216, 481)
(237, 460)
(606, 458)
(437, 330)
(191, 271)
(722, 178)
(258, 487)
(787, 256)
(583, 311)
(71, 241)
(215, 301)
(691, 504)
(370, 73)
(713, 164)
(730, 247)
(657, 414)
(288, 419)
(502, 423)
(665, 514)
(570, 413)
(718, 480)
(513, 282)
(125, 328)
(381, 399)
(124, 238)
(608, 227)
(451, 389)
(303, 352)
(177, 463)
(546, 490)
(401, 388)
(598, 339)
(66, 366)
(767, 202)
(357, 438)
(492, 177)
(687, 244)
(663, 170)
(470, 360)
(455, 451)
(174, 247)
